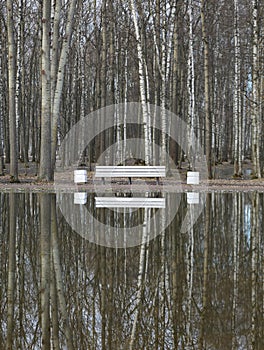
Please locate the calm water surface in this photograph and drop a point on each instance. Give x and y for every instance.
(200, 289)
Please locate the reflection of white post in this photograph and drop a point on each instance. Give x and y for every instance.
(192, 198)
(192, 178)
(80, 198)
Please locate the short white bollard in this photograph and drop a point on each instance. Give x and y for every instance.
(80, 176)
(192, 178)
(80, 198)
(192, 198)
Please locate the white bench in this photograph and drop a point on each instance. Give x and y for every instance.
(129, 202)
(130, 171)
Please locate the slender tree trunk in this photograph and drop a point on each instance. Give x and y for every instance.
(237, 97)
(45, 173)
(1, 106)
(254, 269)
(208, 124)
(142, 84)
(191, 105)
(12, 93)
(142, 266)
(57, 94)
(255, 95)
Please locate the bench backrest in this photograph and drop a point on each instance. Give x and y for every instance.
(130, 171)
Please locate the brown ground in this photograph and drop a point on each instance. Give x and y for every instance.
(223, 181)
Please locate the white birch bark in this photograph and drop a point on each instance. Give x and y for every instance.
(60, 79)
(237, 98)
(191, 105)
(1, 108)
(163, 84)
(56, 8)
(142, 84)
(45, 142)
(12, 93)
(58, 276)
(255, 97)
(18, 66)
(208, 124)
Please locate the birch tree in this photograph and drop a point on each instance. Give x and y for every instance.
(1, 105)
(142, 85)
(45, 173)
(12, 93)
(255, 93)
(208, 126)
(59, 78)
(191, 104)
(254, 233)
(237, 97)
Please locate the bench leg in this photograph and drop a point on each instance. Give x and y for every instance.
(103, 179)
(158, 181)
(130, 181)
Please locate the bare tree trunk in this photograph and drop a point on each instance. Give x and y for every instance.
(1, 106)
(12, 93)
(56, 95)
(45, 141)
(237, 97)
(255, 95)
(191, 105)
(142, 84)
(208, 124)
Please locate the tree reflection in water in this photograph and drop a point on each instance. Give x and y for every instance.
(199, 290)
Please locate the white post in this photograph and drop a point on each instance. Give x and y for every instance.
(80, 198)
(193, 178)
(80, 176)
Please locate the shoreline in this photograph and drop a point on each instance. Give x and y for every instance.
(166, 185)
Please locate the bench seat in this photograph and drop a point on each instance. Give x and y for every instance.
(104, 171)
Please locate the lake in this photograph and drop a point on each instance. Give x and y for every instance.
(165, 272)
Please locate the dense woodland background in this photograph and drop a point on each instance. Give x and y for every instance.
(202, 60)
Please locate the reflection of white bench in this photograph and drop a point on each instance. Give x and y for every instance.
(129, 202)
(130, 171)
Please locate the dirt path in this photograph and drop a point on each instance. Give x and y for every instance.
(167, 185)
(224, 182)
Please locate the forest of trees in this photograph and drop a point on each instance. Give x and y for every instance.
(201, 59)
